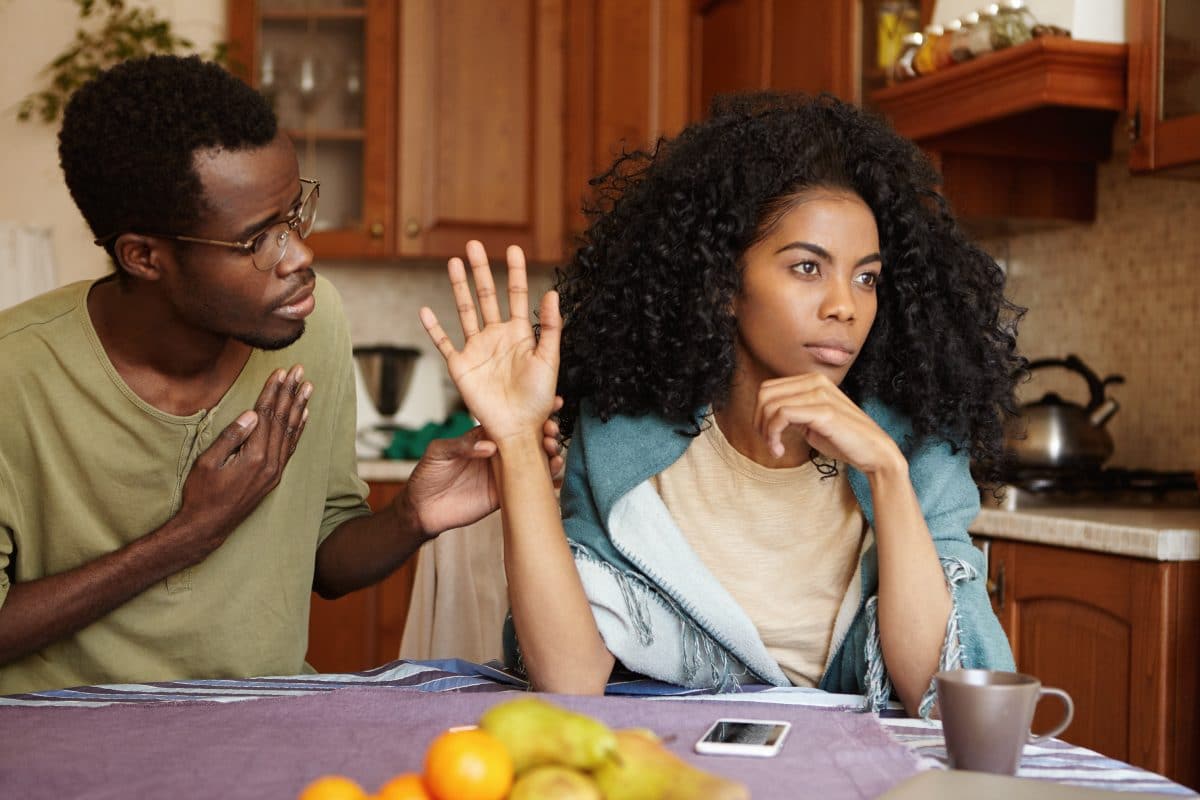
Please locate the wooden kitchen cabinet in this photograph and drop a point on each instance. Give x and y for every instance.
(1119, 634)
(1017, 134)
(807, 46)
(330, 70)
(461, 131)
(1164, 85)
(626, 86)
(362, 629)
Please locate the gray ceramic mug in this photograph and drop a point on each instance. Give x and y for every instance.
(986, 716)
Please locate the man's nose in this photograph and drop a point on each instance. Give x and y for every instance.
(299, 256)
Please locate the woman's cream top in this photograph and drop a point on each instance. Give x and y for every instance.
(784, 542)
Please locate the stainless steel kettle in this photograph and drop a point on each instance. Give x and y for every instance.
(1053, 433)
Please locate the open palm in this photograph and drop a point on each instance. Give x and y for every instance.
(506, 376)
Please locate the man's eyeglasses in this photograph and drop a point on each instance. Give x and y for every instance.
(269, 246)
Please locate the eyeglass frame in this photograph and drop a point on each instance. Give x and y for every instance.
(247, 247)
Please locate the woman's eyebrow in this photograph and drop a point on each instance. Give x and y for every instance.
(821, 252)
(815, 249)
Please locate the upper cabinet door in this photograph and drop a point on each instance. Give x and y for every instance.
(481, 106)
(1164, 83)
(328, 67)
(796, 45)
(627, 86)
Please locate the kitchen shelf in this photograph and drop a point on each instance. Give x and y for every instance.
(1017, 134)
(1049, 71)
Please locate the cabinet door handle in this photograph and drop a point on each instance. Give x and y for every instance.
(995, 587)
(376, 230)
(412, 228)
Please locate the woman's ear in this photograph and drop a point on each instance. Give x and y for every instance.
(139, 256)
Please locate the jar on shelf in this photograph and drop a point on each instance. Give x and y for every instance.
(924, 61)
(979, 35)
(1012, 25)
(905, 67)
(960, 40)
(941, 50)
(894, 20)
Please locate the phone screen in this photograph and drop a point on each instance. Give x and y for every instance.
(766, 734)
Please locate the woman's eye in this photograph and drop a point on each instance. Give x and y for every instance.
(807, 268)
(868, 279)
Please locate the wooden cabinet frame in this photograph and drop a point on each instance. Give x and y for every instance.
(1157, 143)
(1111, 630)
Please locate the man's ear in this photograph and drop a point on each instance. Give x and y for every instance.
(140, 256)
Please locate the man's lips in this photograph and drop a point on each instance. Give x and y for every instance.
(834, 354)
(299, 305)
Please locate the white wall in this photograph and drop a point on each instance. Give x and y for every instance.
(32, 33)
(1087, 20)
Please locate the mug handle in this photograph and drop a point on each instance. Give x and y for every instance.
(1068, 706)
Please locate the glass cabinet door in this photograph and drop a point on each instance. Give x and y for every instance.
(1180, 60)
(327, 67)
(1164, 85)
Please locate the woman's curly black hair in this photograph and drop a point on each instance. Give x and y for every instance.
(648, 297)
(129, 137)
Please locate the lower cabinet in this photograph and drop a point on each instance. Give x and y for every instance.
(1121, 635)
(362, 629)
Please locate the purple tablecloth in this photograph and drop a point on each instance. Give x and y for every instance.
(271, 748)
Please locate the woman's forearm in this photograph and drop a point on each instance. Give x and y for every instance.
(560, 644)
(914, 603)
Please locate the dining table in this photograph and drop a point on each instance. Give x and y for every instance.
(269, 737)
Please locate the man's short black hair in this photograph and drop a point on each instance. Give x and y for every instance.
(129, 138)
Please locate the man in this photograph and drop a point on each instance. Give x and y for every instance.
(177, 467)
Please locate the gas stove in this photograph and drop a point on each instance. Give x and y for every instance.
(1114, 486)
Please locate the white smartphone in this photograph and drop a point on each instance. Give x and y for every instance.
(743, 737)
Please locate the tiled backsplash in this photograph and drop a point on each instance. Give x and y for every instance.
(382, 299)
(1122, 293)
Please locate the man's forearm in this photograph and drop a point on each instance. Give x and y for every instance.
(38, 613)
(365, 550)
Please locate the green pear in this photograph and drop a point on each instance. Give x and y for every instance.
(537, 733)
(646, 770)
(554, 783)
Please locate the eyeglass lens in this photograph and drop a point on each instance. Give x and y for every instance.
(271, 246)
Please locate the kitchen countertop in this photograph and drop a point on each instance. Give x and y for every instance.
(1160, 534)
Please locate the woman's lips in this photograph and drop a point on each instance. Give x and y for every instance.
(832, 355)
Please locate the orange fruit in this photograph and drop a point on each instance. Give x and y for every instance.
(468, 765)
(408, 786)
(333, 787)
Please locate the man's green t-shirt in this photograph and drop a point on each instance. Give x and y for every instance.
(86, 467)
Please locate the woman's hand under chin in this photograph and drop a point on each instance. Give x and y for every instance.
(506, 376)
(829, 420)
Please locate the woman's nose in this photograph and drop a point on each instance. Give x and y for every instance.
(838, 302)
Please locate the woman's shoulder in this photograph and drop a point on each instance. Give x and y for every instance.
(622, 451)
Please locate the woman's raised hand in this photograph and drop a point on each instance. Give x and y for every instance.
(506, 376)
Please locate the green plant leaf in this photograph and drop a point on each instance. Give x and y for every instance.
(109, 33)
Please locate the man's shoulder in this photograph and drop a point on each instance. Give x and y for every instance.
(41, 310)
(31, 330)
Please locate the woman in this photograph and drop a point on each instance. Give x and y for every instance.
(779, 357)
